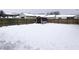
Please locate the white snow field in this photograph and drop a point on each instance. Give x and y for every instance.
(40, 37)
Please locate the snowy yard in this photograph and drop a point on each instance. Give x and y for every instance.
(39, 37)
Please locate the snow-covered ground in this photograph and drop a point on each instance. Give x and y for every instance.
(39, 37)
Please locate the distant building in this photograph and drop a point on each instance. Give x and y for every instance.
(32, 16)
(76, 17)
(60, 16)
(27, 16)
(41, 19)
(7, 15)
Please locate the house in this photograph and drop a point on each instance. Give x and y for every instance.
(27, 16)
(7, 15)
(61, 16)
(76, 17)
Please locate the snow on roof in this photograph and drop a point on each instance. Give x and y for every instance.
(41, 15)
(65, 15)
(26, 14)
(56, 15)
(50, 16)
(11, 13)
(60, 15)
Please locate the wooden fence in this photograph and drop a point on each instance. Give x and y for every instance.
(64, 21)
(17, 21)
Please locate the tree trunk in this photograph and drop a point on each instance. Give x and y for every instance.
(55, 16)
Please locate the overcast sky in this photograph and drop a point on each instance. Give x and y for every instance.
(62, 11)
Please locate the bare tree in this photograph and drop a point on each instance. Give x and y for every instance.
(2, 13)
(50, 13)
(56, 13)
(53, 13)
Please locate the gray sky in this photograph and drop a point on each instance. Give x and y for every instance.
(62, 11)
